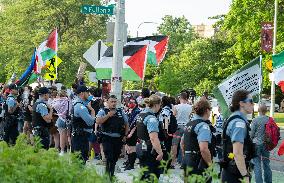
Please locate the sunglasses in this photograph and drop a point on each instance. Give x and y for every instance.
(248, 100)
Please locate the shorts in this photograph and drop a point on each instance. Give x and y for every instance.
(60, 124)
(178, 134)
(92, 138)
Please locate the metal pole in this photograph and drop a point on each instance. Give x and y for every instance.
(117, 64)
(260, 82)
(272, 107)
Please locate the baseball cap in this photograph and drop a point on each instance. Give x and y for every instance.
(13, 87)
(43, 90)
(82, 88)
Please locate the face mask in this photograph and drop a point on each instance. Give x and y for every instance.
(131, 105)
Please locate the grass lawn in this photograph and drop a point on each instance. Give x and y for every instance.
(279, 117)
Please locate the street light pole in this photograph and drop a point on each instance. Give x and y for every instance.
(142, 24)
(117, 64)
(272, 107)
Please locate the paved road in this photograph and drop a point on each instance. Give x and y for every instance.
(278, 161)
(277, 165)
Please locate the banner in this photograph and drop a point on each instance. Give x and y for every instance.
(247, 78)
(267, 36)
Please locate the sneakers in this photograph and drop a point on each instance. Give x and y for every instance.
(61, 153)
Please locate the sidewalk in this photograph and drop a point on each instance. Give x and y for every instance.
(175, 175)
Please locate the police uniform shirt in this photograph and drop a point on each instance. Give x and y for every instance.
(237, 129)
(202, 130)
(151, 121)
(102, 113)
(11, 102)
(42, 108)
(80, 110)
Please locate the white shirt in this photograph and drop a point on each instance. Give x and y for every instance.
(183, 112)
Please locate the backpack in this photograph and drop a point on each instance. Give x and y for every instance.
(271, 134)
(173, 124)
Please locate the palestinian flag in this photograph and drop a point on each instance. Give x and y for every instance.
(134, 63)
(278, 69)
(48, 48)
(157, 47)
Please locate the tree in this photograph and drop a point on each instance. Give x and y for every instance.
(179, 30)
(25, 24)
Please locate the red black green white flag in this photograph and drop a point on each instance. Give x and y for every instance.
(157, 47)
(134, 63)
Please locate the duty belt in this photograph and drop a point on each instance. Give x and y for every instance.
(191, 152)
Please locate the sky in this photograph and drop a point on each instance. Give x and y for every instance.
(196, 11)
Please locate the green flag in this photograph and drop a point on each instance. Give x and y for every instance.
(278, 69)
(248, 77)
(278, 60)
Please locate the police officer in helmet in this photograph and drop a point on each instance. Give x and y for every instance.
(237, 145)
(198, 141)
(11, 116)
(114, 127)
(83, 119)
(150, 132)
(42, 116)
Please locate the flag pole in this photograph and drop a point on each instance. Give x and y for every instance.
(56, 64)
(272, 107)
(260, 82)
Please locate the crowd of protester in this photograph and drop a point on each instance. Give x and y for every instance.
(147, 128)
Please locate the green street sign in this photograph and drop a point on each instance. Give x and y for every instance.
(92, 9)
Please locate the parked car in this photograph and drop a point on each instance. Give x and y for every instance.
(267, 103)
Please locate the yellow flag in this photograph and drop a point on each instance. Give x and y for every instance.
(50, 76)
(269, 65)
(53, 63)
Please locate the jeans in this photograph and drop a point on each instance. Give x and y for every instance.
(261, 151)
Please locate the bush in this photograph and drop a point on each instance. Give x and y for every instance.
(26, 163)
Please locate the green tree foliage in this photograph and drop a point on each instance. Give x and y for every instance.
(179, 30)
(198, 66)
(204, 63)
(26, 24)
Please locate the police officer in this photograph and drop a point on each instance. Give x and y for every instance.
(42, 116)
(198, 141)
(114, 126)
(237, 145)
(150, 132)
(11, 108)
(82, 122)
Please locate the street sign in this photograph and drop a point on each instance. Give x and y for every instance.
(93, 77)
(95, 52)
(92, 9)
